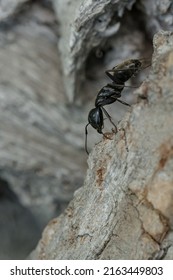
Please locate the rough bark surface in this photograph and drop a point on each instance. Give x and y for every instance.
(47, 52)
(8, 8)
(86, 25)
(37, 143)
(125, 208)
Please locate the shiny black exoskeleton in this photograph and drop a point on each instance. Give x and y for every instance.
(111, 93)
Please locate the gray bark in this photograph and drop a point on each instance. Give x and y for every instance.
(125, 208)
(39, 134)
(88, 25)
(9, 8)
(50, 55)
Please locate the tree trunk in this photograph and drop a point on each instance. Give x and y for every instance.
(53, 55)
(125, 208)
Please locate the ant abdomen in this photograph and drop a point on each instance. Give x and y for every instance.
(125, 70)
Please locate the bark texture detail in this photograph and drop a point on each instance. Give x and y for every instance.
(125, 208)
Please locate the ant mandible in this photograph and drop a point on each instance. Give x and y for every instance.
(111, 93)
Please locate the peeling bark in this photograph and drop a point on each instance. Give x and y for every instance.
(84, 25)
(88, 25)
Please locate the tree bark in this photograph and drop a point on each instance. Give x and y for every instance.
(37, 143)
(88, 26)
(42, 157)
(125, 208)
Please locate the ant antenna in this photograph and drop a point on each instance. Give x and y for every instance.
(86, 133)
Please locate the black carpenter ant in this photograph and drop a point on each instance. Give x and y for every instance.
(111, 93)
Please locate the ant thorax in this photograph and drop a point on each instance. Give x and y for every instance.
(108, 94)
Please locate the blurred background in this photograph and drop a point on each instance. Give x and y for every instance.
(53, 57)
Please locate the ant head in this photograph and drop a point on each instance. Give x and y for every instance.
(95, 119)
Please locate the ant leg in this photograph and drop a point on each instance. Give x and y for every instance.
(123, 102)
(105, 136)
(115, 85)
(86, 133)
(110, 119)
(133, 86)
(111, 76)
